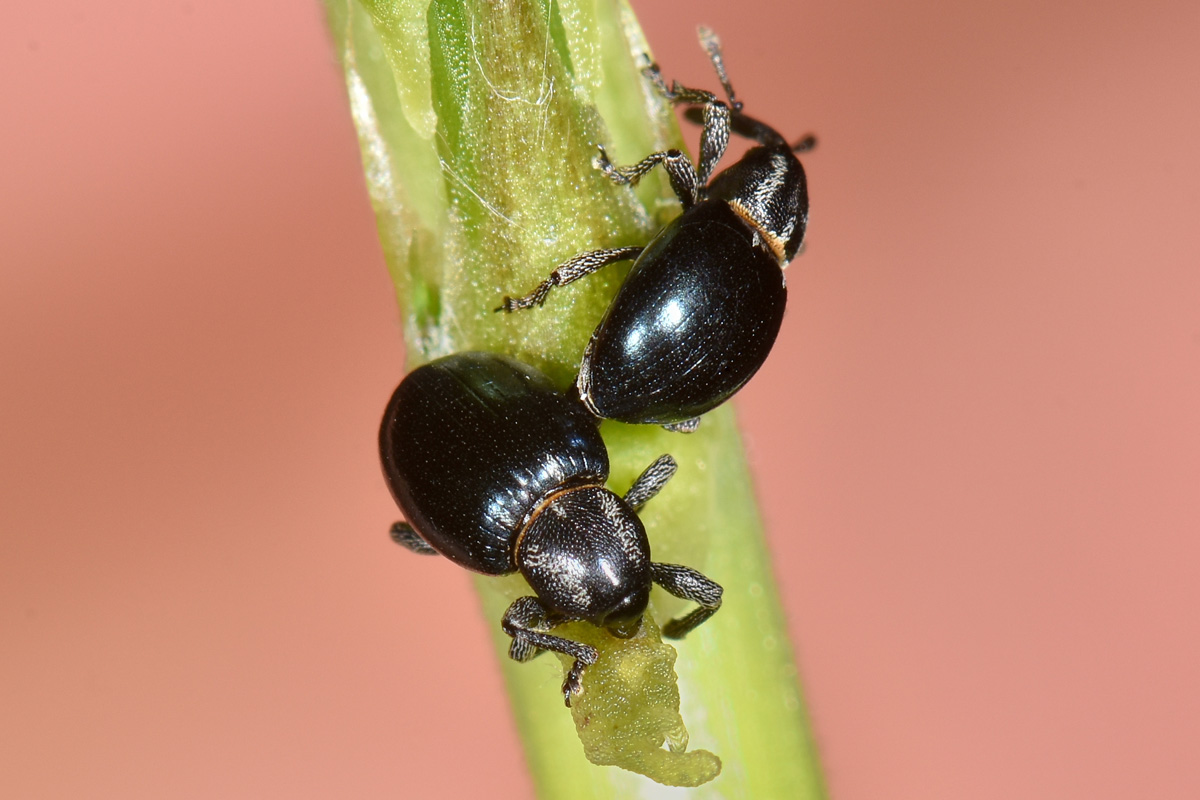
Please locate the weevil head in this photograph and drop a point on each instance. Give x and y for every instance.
(585, 553)
(767, 188)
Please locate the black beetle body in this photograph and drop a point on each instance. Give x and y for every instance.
(702, 305)
(665, 352)
(499, 472)
(467, 484)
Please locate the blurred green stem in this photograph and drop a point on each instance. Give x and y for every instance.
(478, 123)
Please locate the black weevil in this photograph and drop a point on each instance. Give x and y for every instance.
(499, 472)
(702, 305)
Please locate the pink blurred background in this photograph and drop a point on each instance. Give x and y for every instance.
(977, 442)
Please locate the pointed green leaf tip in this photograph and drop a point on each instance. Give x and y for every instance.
(478, 122)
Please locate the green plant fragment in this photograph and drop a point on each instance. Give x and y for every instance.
(630, 709)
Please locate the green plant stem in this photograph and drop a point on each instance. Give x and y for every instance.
(478, 123)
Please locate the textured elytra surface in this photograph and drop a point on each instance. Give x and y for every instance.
(471, 442)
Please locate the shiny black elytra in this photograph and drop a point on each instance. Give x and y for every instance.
(499, 472)
(703, 302)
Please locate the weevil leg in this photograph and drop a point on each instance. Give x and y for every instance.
(650, 482)
(735, 120)
(403, 534)
(805, 145)
(680, 171)
(524, 650)
(750, 128)
(687, 426)
(578, 267)
(712, 46)
(687, 583)
(521, 650)
(525, 620)
(714, 138)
